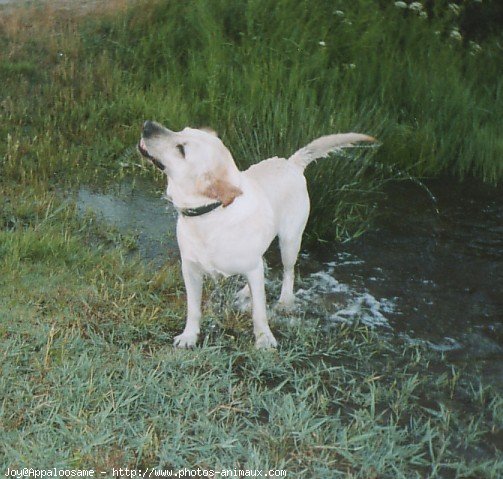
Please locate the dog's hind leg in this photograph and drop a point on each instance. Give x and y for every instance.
(242, 299)
(289, 251)
(290, 239)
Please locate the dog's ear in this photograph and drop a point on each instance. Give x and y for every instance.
(209, 130)
(222, 190)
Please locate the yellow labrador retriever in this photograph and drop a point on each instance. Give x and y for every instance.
(228, 218)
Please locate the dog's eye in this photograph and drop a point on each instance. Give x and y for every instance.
(181, 149)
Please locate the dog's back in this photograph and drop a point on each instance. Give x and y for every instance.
(284, 185)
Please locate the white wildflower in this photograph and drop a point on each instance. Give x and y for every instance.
(349, 66)
(339, 13)
(400, 4)
(423, 14)
(454, 8)
(416, 7)
(475, 48)
(322, 43)
(456, 35)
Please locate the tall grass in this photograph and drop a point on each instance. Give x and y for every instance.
(269, 76)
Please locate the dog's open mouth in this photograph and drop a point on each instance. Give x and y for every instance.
(143, 151)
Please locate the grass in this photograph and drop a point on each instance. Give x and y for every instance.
(88, 376)
(103, 388)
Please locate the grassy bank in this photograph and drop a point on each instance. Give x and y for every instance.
(88, 376)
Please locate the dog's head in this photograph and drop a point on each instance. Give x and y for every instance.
(195, 160)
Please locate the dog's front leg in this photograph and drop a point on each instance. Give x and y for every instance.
(263, 335)
(193, 278)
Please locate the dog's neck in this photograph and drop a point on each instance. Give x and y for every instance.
(198, 199)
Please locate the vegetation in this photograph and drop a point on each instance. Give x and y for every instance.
(269, 76)
(88, 377)
(106, 390)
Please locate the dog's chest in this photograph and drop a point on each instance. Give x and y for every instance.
(225, 244)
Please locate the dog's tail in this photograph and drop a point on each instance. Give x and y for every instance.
(324, 145)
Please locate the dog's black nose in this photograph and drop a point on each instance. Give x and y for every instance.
(150, 128)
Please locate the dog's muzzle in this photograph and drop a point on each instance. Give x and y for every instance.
(142, 148)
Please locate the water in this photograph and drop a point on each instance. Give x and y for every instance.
(135, 208)
(436, 277)
(445, 270)
(427, 276)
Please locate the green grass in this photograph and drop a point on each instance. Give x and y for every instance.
(107, 390)
(88, 376)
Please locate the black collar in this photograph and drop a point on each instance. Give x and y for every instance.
(200, 210)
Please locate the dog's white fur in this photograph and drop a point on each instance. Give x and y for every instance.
(269, 199)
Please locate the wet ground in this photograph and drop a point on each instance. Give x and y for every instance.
(428, 271)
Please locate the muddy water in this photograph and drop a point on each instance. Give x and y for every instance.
(429, 271)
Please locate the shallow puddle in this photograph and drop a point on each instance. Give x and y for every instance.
(135, 207)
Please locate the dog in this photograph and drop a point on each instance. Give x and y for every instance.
(228, 218)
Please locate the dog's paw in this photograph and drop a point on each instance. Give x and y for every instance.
(185, 340)
(265, 340)
(286, 306)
